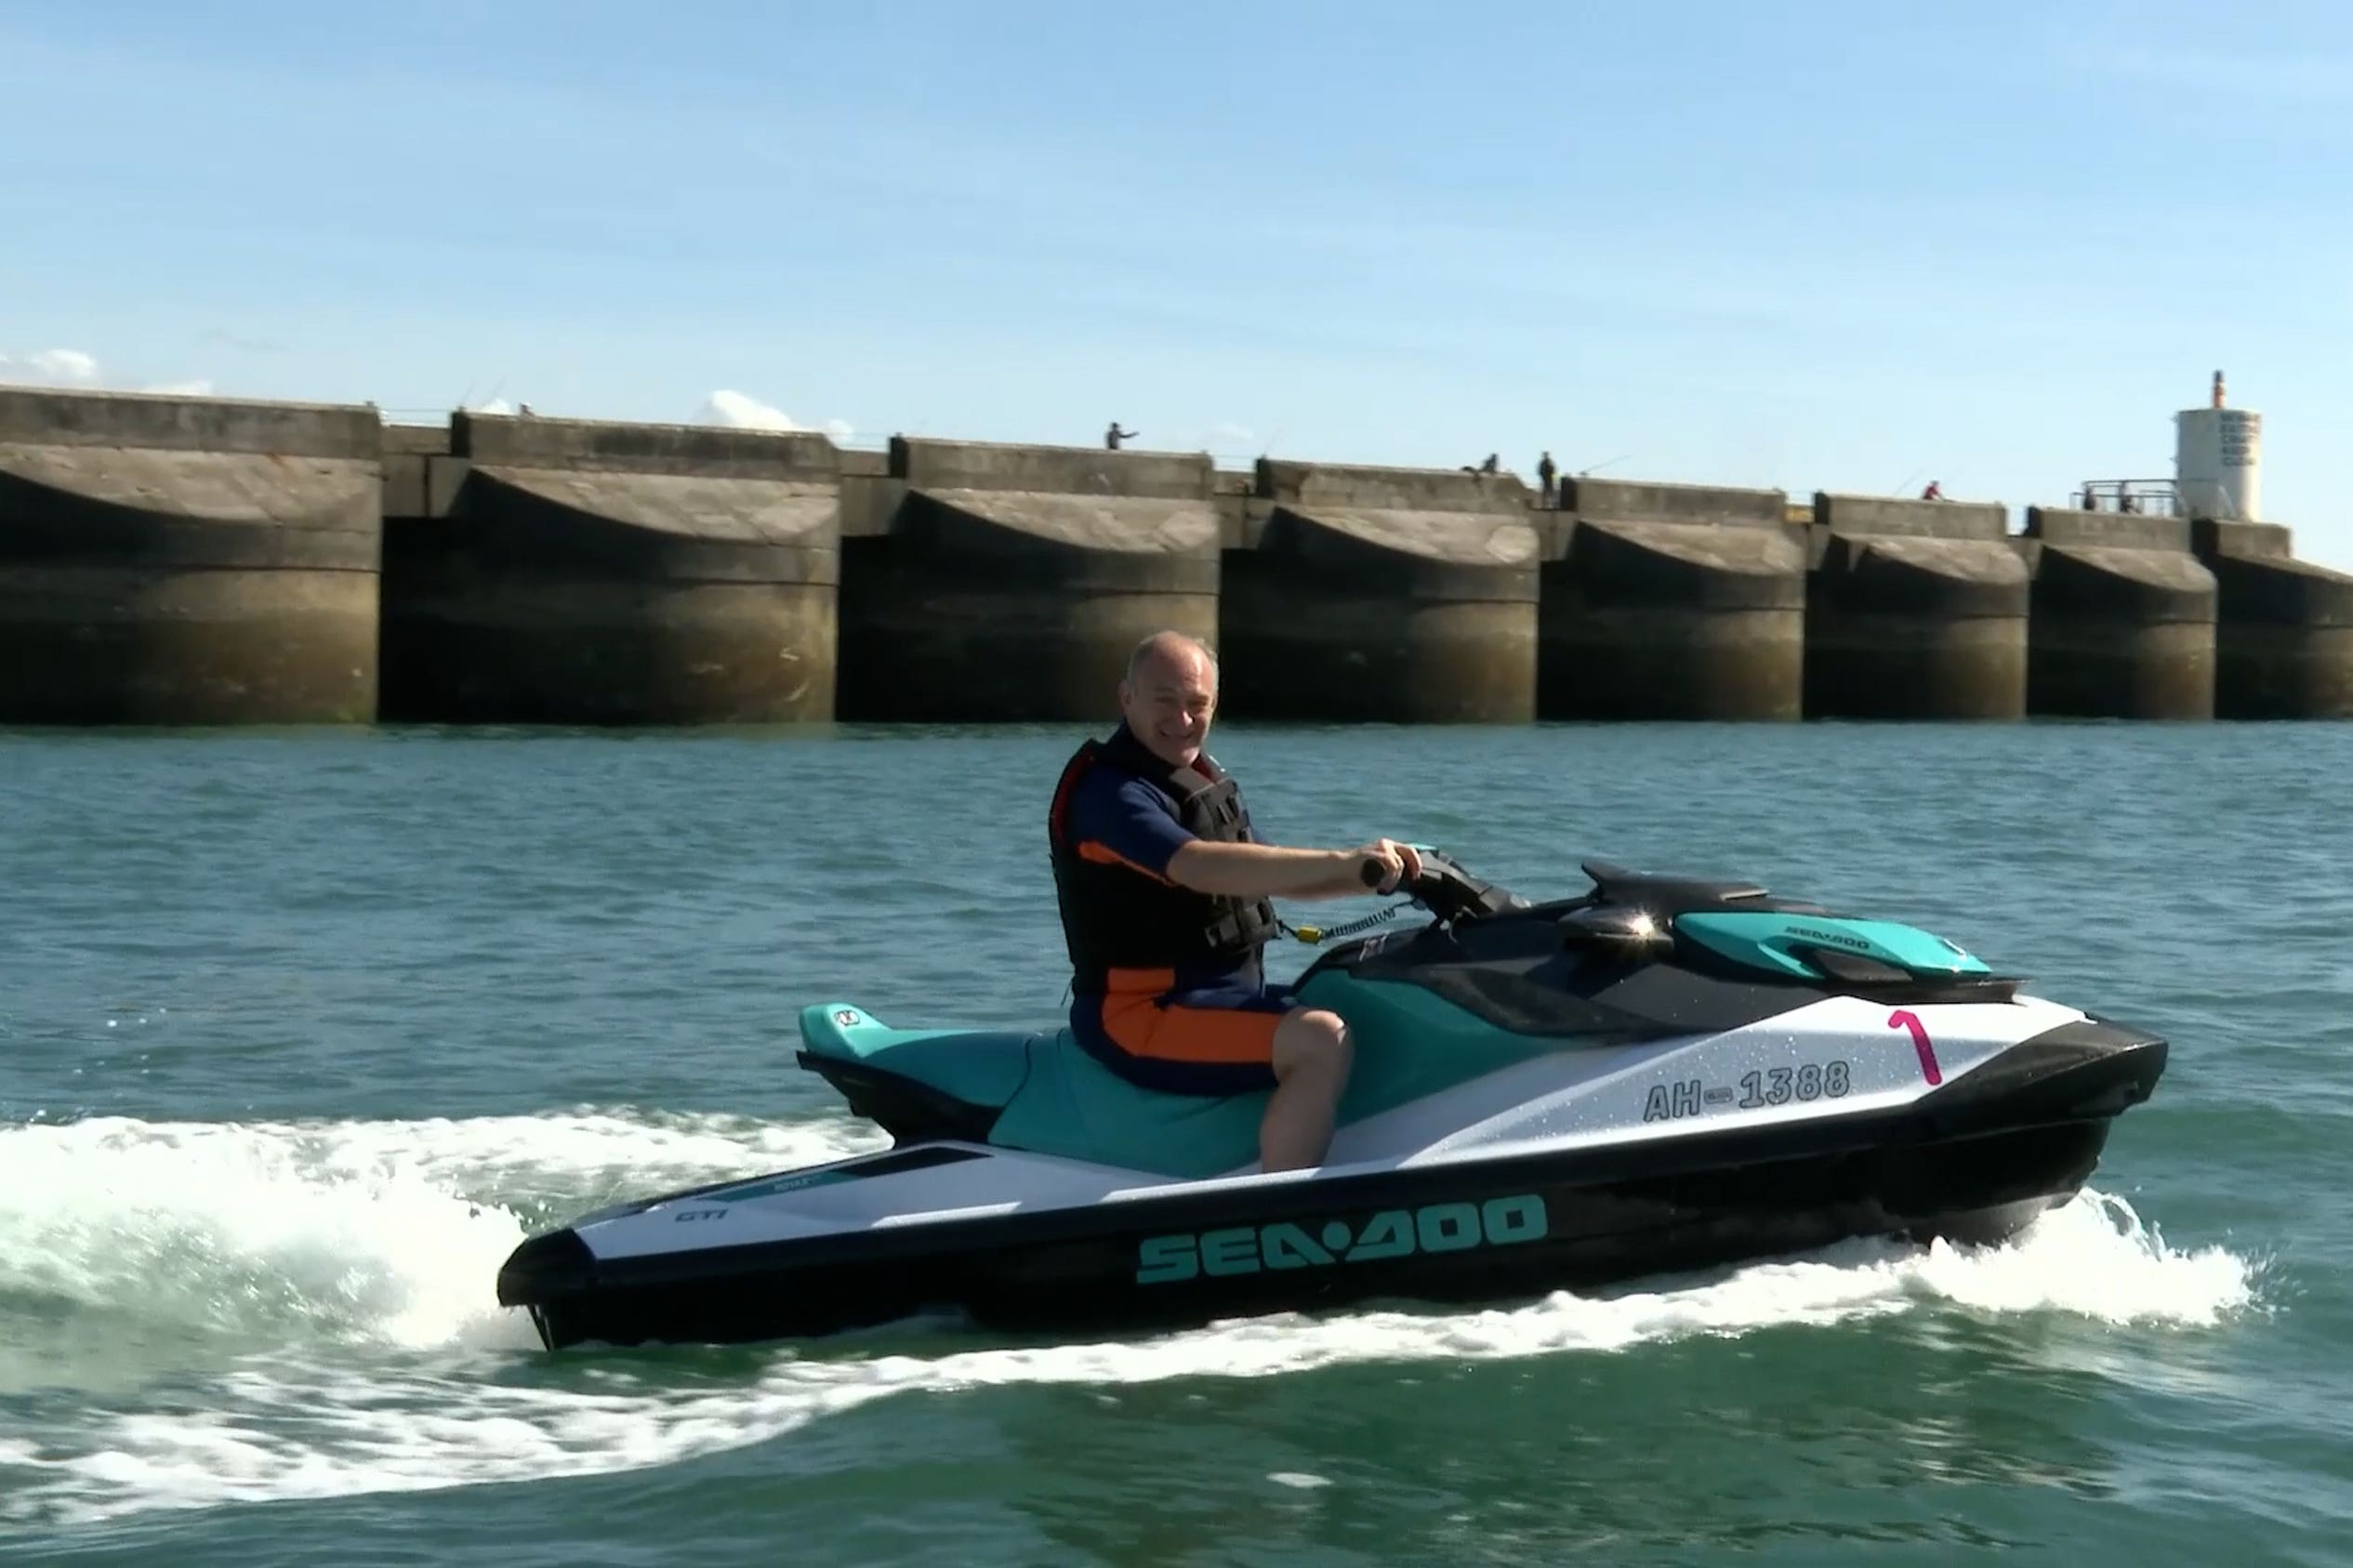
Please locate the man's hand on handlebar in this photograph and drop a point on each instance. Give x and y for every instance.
(1387, 865)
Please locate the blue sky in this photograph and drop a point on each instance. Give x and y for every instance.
(1836, 246)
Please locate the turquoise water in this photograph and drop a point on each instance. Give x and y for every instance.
(300, 1033)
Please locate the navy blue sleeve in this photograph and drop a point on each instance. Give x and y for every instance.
(1119, 821)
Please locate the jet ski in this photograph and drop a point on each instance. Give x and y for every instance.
(1662, 1074)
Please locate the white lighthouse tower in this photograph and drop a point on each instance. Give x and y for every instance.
(2218, 461)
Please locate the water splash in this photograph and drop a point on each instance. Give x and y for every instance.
(380, 1239)
(386, 1232)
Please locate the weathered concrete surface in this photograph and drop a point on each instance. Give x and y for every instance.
(1915, 519)
(416, 440)
(569, 572)
(2284, 643)
(2121, 622)
(1610, 500)
(869, 496)
(1674, 620)
(555, 649)
(1015, 580)
(142, 508)
(1312, 486)
(146, 579)
(407, 453)
(38, 416)
(2123, 531)
(924, 464)
(1355, 606)
(1017, 606)
(919, 644)
(1914, 610)
(705, 450)
(2241, 541)
(1916, 629)
(1671, 602)
(677, 526)
(100, 645)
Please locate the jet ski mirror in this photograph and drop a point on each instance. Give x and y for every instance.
(1632, 930)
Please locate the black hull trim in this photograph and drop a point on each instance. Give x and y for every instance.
(1975, 1161)
(1979, 1191)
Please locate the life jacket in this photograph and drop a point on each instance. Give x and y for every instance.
(1116, 917)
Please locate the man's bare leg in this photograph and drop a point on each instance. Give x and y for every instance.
(1313, 1050)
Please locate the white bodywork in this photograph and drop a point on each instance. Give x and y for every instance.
(1853, 1056)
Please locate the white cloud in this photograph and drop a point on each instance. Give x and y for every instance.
(1226, 436)
(740, 410)
(74, 368)
(744, 412)
(65, 365)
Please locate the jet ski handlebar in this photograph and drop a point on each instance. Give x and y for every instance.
(1445, 888)
(1370, 872)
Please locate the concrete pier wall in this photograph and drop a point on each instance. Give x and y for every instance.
(177, 560)
(408, 452)
(2284, 644)
(1011, 581)
(171, 559)
(869, 499)
(2121, 623)
(1914, 610)
(1381, 595)
(1672, 602)
(572, 572)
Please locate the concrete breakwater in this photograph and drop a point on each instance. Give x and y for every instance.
(164, 561)
(197, 560)
(574, 573)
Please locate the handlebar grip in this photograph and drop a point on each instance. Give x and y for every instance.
(1368, 872)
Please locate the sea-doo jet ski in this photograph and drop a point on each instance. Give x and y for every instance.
(1660, 1075)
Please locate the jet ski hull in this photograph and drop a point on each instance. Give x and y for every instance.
(1973, 1161)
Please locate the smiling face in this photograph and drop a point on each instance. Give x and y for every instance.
(1168, 697)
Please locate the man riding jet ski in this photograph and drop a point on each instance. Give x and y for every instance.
(1164, 892)
(1658, 1074)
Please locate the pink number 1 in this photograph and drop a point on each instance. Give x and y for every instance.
(1920, 1044)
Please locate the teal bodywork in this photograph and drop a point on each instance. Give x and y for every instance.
(1054, 1099)
(1057, 1099)
(1768, 939)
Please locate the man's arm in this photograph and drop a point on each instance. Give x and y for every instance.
(1264, 870)
(1268, 871)
(1126, 823)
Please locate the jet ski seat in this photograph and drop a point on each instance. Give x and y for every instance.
(981, 1068)
(1037, 1090)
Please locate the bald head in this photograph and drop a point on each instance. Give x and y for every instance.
(1172, 653)
(1170, 694)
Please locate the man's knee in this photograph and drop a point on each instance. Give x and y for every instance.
(1313, 1040)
